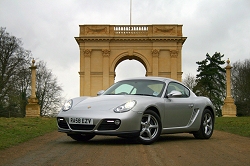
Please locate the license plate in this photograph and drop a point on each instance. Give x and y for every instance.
(86, 121)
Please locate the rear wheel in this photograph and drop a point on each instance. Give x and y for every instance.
(206, 126)
(150, 127)
(81, 137)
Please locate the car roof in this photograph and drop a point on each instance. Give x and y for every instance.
(164, 79)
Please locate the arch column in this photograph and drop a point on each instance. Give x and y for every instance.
(105, 68)
(81, 72)
(173, 56)
(155, 56)
(86, 79)
(179, 62)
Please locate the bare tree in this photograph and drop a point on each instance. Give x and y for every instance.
(23, 85)
(48, 90)
(189, 81)
(241, 86)
(12, 58)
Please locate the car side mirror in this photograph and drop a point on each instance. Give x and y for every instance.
(100, 92)
(174, 93)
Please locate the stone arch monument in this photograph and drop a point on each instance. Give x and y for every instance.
(103, 47)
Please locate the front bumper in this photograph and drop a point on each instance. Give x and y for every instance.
(129, 124)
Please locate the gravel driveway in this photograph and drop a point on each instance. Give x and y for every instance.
(177, 149)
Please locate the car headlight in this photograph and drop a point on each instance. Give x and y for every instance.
(67, 105)
(125, 107)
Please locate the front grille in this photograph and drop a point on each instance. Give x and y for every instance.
(81, 127)
(109, 124)
(62, 123)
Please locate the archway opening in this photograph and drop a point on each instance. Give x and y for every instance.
(129, 69)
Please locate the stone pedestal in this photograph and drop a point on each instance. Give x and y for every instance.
(229, 108)
(33, 108)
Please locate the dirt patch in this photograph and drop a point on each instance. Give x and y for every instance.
(176, 149)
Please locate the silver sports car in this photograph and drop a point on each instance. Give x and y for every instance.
(139, 108)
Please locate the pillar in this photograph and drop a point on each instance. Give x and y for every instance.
(173, 56)
(81, 72)
(33, 108)
(87, 69)
(105, 77)
(155, 54)
(229, 108)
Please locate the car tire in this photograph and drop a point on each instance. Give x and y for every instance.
(81, 137)
(150, 127)
(206, 127)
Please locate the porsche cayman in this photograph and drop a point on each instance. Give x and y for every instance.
(139, 108)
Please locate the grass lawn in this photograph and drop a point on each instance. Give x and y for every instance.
(236, 125)
(17, 130)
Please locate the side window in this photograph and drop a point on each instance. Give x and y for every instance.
(176, 86)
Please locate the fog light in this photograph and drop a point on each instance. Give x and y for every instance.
(117, 122)
(59, 120)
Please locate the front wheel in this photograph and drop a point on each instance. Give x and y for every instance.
(81, 137)
(206, 126)
(150, 127)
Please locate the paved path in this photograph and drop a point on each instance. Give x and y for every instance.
(177, 149)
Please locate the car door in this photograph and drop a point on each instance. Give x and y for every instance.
(178, 107)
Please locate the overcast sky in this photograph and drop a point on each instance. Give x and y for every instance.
(47, 28)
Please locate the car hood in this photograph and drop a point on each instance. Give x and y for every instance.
(106, 102)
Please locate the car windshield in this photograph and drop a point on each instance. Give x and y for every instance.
(137, 87)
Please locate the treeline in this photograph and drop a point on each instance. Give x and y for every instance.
(15, 80)
(211, 82)
(241, 86)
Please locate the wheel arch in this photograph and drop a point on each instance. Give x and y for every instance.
(153, 108)
(211, 109)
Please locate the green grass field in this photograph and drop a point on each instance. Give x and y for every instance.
(238, 125)
(17, 130)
